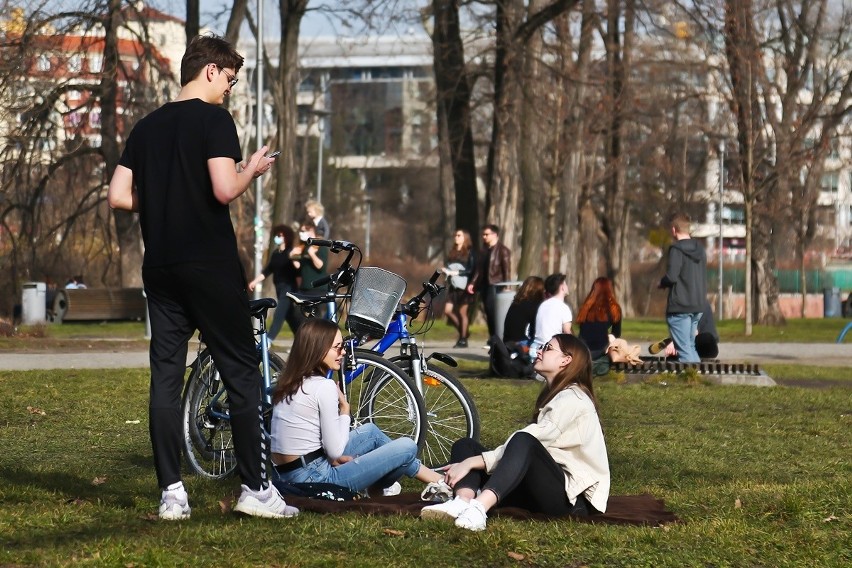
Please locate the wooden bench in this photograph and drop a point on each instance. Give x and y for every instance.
(88, 304)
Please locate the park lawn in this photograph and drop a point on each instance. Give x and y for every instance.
(758, 476)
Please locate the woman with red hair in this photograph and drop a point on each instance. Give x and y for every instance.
(599, 316)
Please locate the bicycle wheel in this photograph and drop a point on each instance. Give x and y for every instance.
(207, 440)
(385, 396)
(450, 413)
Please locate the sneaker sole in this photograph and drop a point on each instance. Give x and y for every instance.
(261, 512)
(171, 515)
(436, 515)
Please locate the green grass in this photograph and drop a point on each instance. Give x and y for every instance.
(759, 477)
(823, 330)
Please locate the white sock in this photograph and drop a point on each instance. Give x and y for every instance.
(175, 486)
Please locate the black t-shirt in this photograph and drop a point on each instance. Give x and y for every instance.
(280, 266)
(518, 318)
(167, 151)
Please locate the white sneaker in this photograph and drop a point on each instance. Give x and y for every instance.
(449, 510)
(174, 504)
(394, 489)
(266, 503)
(437, 492)
(473, 517)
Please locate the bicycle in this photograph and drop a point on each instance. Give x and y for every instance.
(451, 413)
(386, 396)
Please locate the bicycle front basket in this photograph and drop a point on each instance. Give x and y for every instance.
(375, 296)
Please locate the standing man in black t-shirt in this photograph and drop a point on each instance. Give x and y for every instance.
(180, 169)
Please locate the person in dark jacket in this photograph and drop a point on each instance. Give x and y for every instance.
(685, 278)
(284, 274)
(493, 266)
(599, 316)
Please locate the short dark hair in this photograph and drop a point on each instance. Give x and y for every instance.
(553, 282)
(493, 228)
(204, 50)
(308, 223)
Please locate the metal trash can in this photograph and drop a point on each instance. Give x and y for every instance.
(502, 302)
(831, 303)
(33, 303)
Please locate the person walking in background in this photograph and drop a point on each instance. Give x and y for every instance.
(460, 266)
(598, 317)
(284, 275)
(553, 315)
(493, 266)
(180, 168)
(685, 278)
(316, 213)
(557, 465)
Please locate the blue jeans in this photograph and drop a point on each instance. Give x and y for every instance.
(378, 461)
(683, 328)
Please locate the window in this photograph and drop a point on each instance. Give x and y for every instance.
(43, 62)
(830, 182)
(95, 117)
(75, 63)
(96, 63)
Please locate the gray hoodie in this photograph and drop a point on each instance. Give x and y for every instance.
(686, 277)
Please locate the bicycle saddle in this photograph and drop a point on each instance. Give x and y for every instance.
(310, 298)
(258, 307)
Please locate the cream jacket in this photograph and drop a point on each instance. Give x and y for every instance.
(569, 428)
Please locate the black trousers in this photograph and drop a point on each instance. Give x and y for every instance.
(284, 311)
(526, 477)
(212, 298)
(489, 305)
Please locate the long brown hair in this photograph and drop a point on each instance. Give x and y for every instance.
(532, 289)
(313, 340)
(600, 304)
(578, 372)
(462, 254)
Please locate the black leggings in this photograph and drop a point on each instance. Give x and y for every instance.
(526, 477)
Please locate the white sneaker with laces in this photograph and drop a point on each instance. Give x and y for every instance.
(266, 502)
(449, 510)
(174, 503)
(473, 518)
(437, 492)
(394, 489)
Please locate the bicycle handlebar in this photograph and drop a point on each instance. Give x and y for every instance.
(335, 246)
(413, 306)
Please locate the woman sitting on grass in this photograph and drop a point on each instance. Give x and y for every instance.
(311, 440)
(557, 465)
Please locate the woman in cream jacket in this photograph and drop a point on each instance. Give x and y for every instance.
(557, 465)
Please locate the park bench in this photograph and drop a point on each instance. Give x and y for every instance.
(88, 304)
(713, 371)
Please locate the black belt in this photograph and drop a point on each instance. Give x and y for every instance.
(301, 462)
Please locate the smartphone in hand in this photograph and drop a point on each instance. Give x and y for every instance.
(274, 154)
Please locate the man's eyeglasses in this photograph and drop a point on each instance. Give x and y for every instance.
(232, 79)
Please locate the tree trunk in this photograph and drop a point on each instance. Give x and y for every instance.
(235, 20)
(284, 94)
(502, 173)
(616, 221)
(531, 150)
(127, 227)
(192, 24)
(453, 102)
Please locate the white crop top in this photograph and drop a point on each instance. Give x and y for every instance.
(310, 421)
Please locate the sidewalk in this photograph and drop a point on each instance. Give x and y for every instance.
(817, 354)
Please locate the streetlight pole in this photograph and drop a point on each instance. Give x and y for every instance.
(258, 184)
(321, 129)
(719, 313)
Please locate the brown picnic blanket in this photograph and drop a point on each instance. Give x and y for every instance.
(642, 509)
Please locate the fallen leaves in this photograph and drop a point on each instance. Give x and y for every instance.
(393, 532)
(100, 480)
(36, 410)
(516, 556)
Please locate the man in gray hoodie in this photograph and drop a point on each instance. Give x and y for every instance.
(685, 278)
